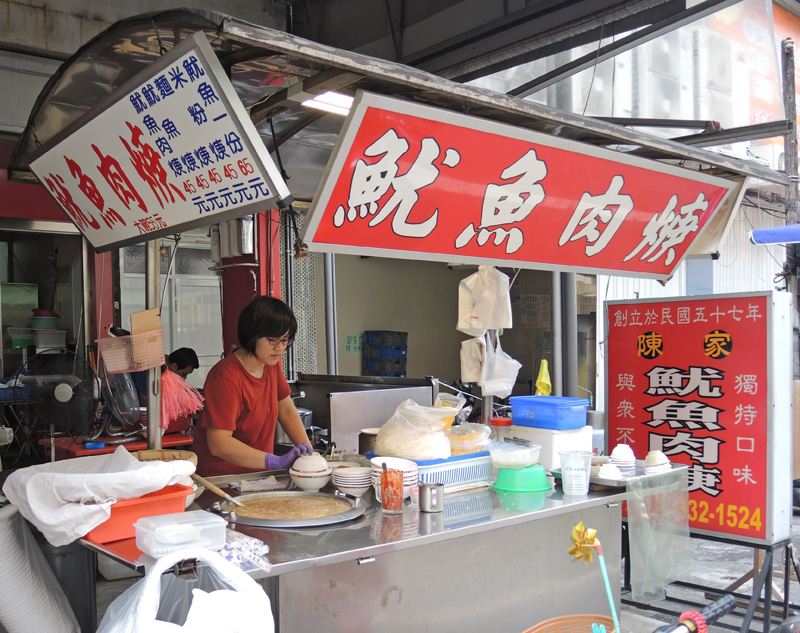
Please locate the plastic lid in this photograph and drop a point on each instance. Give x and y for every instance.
(500, 421)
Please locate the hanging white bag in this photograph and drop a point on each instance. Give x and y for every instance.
(499, 371)
(484, 302)
(224, 599)
(473, 353)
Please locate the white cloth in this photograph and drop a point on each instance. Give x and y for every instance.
(484, 302)
(68, 498)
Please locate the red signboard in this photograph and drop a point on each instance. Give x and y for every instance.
(690, 377)
(418, 182)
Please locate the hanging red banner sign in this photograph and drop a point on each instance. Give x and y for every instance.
(700, 379)
(418, 182)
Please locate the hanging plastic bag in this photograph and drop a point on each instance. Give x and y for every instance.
(416, 432)
(473, 353)
(223, 599)
(543, 385)
(484, 302)
(499, 372)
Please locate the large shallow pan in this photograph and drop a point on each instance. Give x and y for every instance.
(356, 509)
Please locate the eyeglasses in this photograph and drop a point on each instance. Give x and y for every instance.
(279, 341)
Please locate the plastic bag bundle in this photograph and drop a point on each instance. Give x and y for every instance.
(499, 371)
(417, 432)
(178, 398)
(223, 599)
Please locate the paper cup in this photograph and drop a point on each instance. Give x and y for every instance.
(575, 471)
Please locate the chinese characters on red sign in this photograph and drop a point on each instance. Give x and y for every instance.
(689, 378)
(438, 185)
(167, 153)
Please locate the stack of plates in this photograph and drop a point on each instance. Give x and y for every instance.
(409, 468)
(623, 458)
(354, 480)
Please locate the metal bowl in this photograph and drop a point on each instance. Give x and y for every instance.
(357, 508)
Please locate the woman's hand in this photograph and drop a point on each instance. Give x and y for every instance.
(280, 462)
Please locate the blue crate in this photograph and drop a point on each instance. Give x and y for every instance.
(385, 337)
(383, 364)
(385, 374)
(549, 412)
(385, 351)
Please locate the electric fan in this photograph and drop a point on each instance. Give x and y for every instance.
(64, 393)
(121, 404)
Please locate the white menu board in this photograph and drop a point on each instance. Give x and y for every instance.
(171, 149)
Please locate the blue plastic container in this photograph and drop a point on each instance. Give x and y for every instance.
(549, 412)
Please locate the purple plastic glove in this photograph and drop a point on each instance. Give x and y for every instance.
(280, 462)
(305, 449)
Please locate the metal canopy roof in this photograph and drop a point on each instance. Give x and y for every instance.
(267, 68)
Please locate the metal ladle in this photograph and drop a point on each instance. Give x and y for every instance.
(215, 489)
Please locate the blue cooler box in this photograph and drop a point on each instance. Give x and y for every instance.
(549, 412)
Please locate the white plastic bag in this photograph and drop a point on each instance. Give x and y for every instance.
(223, 599)
(499, 372)
(416, 432)
(484, 302)
(473, 352)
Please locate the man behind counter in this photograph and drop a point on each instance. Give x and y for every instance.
(182, 361)
(247, 396)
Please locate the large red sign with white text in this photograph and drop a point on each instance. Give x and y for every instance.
(417, 182)
(689, 377)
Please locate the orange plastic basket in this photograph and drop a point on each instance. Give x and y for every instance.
(572, 624)
(125, 513)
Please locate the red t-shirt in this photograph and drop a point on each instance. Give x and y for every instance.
(237, 400)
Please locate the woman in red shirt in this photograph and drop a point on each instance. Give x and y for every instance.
(247, 395)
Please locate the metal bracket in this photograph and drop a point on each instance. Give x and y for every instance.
(186, 569)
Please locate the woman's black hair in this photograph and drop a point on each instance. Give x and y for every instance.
(265, 316)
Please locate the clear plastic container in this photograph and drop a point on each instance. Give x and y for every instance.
(159, 535)
(500, 428)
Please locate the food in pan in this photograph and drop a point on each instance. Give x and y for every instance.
(290, 507)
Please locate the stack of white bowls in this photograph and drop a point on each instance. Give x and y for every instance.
(656, 462)
(623, 458)
(354, 481)
(409, 468)
(310, 472)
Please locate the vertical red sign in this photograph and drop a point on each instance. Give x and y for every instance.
(689, 377)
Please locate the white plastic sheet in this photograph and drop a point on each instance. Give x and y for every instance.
(31, 599)
(68, 498)
(658, 532)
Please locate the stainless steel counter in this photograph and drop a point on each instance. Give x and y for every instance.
(490, 561)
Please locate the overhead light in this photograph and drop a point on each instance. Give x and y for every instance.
(334, 102)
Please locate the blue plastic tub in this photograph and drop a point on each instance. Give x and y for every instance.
(549, 412)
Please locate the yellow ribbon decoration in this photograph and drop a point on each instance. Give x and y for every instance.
(583, 540)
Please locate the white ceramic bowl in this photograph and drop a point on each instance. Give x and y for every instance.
(353, 491)
(352, 473)
(344, 465)
(311, 463)
(655, 458)
(311, 482)
(396, 463)
(622, 453)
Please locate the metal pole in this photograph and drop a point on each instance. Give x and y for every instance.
(791, 166)
(487, 402)
(557, 367)
(569, 298)
(331, 327)
(152, 282)
(87, 299)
